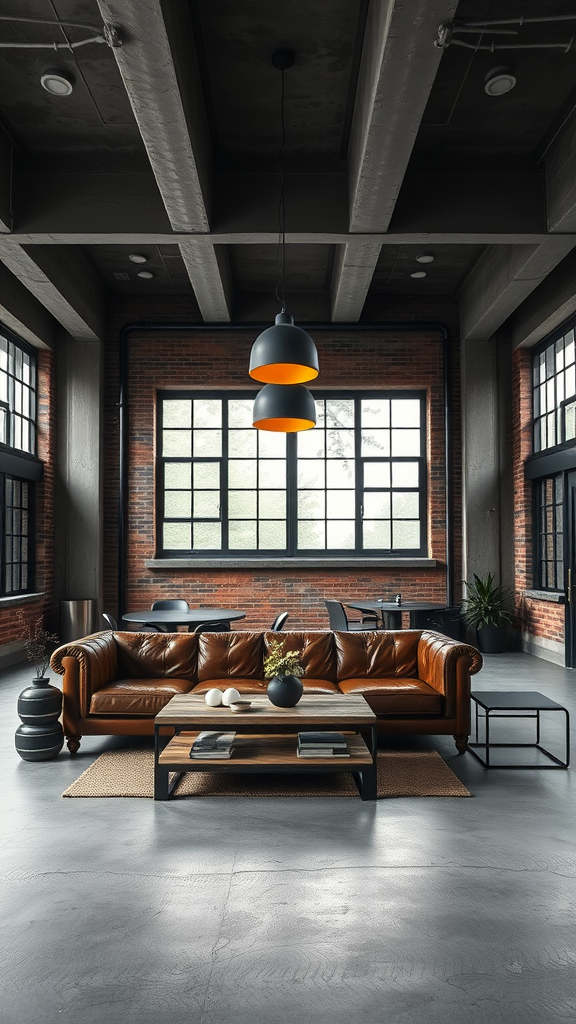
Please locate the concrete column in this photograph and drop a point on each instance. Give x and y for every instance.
(481, 457)
(79, 473)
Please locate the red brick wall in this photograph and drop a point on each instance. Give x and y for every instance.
(184, 359)
(10, 622)
(538, 618)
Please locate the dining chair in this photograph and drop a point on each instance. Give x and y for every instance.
(170, 604)
(279, 621)
(109, 620)
(339, 620)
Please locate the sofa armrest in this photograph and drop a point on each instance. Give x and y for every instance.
(447, 665)
(86, 666)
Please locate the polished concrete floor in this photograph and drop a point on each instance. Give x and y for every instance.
(276, 911)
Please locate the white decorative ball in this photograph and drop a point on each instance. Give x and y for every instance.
(213, 698)
(230, 695)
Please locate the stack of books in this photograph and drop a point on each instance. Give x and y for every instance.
(322, 744)
(212, 745)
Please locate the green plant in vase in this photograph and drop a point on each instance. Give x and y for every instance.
(487, 612)
(284, 669)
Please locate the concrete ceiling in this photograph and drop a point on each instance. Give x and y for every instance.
(169, 147)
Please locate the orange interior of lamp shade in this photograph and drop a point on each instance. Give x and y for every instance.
(283, 373)
(286, 424)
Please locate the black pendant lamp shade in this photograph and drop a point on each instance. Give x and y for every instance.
(283, 354)
(284, 407)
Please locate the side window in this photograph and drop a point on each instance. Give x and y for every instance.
(18, 404)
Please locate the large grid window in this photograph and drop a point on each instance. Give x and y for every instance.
(17, 396)
(554, 391)
(355, 483)
(550, 533)
(17, 516)
(18, 406)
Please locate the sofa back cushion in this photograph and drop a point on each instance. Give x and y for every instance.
(316, 648)
(237, 654)
(155, 655)
(377, 653)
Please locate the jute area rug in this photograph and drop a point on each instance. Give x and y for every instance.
(129, 773)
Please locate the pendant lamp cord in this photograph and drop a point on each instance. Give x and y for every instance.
(281, 247)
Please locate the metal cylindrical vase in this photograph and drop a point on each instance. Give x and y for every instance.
(40, 736)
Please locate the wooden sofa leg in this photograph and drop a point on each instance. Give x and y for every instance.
(461, 744)
(73, 744)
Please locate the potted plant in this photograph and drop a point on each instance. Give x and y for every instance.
(283, 669)
(40, 736)
(486, 611)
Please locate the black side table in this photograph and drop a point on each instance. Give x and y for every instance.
(499, 704)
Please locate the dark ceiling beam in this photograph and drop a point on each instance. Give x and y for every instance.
(6, 168)
(506, 276)
(398, 67)
(24, 314)
(352, 274)
(107, 236)
(63, 281)
(560, 163)
(210, 274)
(158, 65)
(447, 205)
(549, 305)
(501, 280)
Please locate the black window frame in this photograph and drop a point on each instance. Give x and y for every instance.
(20, 470)
(558, 409)
(291, 551)
(548, 545)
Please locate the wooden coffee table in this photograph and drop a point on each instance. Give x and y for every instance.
(266, 738)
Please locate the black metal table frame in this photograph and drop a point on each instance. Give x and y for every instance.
(366, 779)
(517, 712)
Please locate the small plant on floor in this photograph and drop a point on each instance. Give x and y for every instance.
(38, 644)
(282, 663)
(486, 603)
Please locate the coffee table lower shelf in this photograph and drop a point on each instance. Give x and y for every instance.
(262, 753)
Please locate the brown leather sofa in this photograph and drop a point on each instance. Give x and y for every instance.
(416, 681)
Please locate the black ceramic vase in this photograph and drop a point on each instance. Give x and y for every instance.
(40, 736)
(285, 691)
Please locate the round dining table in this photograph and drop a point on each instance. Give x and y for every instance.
(191, 618)
(391, 612)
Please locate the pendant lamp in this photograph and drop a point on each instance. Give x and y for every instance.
(284, 407)
(283, 356)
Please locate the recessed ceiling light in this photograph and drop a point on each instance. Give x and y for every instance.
(138, 257)
(57, 83)
(145, 273)
(418, 273)
(499, 81)
(425, 257)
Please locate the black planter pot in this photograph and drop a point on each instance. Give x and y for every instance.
(491, 639)
(285, 691)
(40, 736)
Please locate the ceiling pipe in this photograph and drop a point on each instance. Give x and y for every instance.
(123, 421)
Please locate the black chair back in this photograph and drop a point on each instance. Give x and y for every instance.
(212, 627)
(177, 604)
(336, 615)
(110, 620)
(279, 621)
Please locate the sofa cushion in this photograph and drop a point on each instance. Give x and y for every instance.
(156, 655)
(316, 651)
(397, 695)
(379, 654)
(136, 696)
(235, 655)
(239, 683)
